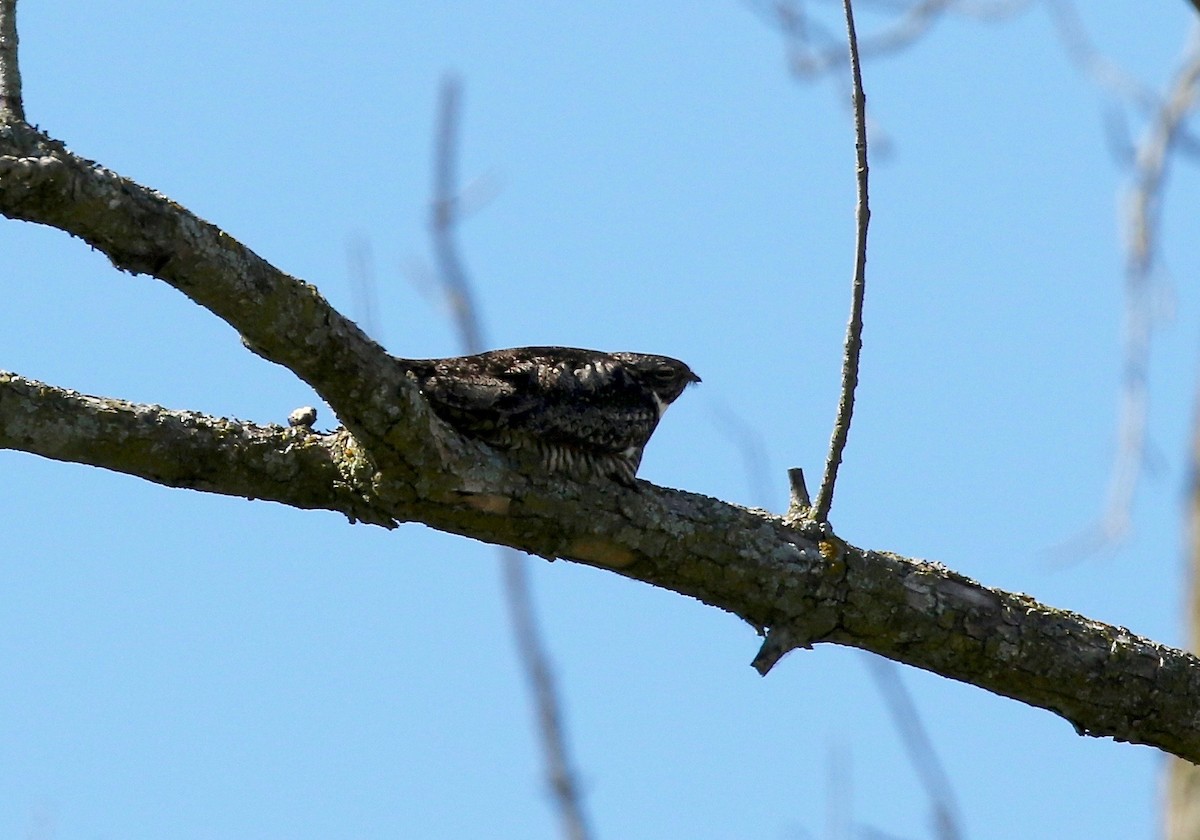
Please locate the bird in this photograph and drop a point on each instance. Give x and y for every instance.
(583, 413)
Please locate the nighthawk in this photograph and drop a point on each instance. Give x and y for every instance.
(582, 412)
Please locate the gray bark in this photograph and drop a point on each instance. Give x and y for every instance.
(395, 462)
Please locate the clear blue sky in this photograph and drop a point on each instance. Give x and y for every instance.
(190, 666)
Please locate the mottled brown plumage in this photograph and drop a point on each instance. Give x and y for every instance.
(583, 412)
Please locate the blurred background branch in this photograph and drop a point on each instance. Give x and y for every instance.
(445, 213)
(1147, 287)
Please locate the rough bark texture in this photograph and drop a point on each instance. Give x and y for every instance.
(398, 463)
(187, 449)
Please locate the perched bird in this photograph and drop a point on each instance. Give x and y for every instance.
(582, 412)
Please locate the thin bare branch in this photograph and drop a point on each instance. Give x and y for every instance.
(839, 794)
(1183, 777)
(862, 213)
(813, 51)
(444, 218)
(1104, 72)
(293, 466)
(921, 754)
(360, 262)
(1143, 207)
(531, 649)
(12, 105)
(749, 443)
(1108, 75)
(564, 782)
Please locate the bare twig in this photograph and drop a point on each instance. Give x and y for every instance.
(530, 647)
(799, 502)
(862, 213)
(12, 106)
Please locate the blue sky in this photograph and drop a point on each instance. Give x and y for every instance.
(192, 666)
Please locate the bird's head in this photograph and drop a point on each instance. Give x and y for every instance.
(664, 376)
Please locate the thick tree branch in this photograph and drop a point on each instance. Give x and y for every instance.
(296, 467)
(141, 231)
(1103, 679)
(281, 318)
(12, 106)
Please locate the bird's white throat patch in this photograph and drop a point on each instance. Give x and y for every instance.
(659, 403)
